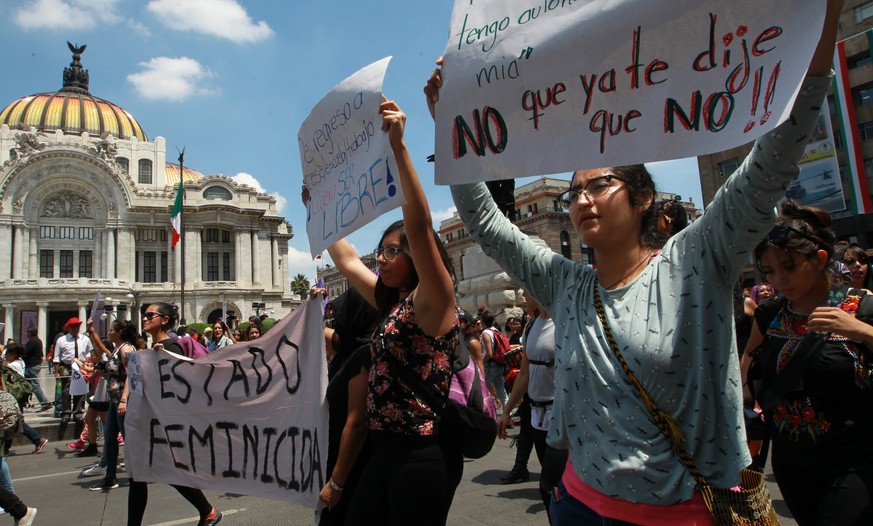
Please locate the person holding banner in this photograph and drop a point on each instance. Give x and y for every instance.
(668, 309)
(158, 319)
(405, 481)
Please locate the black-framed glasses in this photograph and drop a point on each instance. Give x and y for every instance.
(779, 236)
(861, 260)
(389, 252)
(149, 315)
(593, 189)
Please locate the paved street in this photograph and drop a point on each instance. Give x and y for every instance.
(50, 481)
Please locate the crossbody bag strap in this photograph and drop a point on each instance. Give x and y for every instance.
(419, 387)
(665, 421)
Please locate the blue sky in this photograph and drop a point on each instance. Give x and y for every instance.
(231, 81)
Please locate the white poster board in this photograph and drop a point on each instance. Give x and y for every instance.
(347, 161)
(534, 87)
(250, 418)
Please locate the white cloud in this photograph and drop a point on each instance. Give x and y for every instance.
(66, 14)
(442, 215)
(166, 78)
(251, 180)
(220, 18)
(300, 262)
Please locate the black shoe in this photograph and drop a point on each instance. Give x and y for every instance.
(45, 407)
(211, 520)
(65, 419)
(105, 485)
(516, 476)
(90, 451)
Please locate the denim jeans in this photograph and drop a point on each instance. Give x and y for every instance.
(114, 425)
(567, 511)
(32, 374)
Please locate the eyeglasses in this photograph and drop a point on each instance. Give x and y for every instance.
(593, 189)
(389, 253)
(861, 260)
(150, 315)
(779, 236)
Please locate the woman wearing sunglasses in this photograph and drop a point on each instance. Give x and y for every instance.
(812, 344)
(405, 481)
(669, 309)
(856, 260)
(158, 319)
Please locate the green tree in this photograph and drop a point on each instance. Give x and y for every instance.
(300, 285)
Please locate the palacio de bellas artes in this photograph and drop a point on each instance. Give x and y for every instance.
(85, 205)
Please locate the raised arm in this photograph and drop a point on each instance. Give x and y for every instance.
(435, 295)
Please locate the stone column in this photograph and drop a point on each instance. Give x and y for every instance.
(10, 321)
(17, 251)
(126, 255)
(32, 260)
(244, 258)
(194, 272)
(256, 259)
(42, 323)
(97, 260)
(6, 259)
(274, 257)
(110, 253)
(83, 313)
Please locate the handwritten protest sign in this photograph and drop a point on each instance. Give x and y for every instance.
(251, 418)
(347, 161)
(534, 87)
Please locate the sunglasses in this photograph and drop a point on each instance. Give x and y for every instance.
(861, 260)
(150, 315)
(780, 236)
(389, 253)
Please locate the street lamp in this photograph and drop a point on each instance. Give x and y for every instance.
(258, 306)
(134, 295)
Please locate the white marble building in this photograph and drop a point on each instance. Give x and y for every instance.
(85, 203)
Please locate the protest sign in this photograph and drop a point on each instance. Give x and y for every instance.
(347, 161)
(534, 87)
(250, 418)
(78, 385)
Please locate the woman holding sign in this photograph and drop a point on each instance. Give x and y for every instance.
(405, 481)
(158, 319)
(668, 310)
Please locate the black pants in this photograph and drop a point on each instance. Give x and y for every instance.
(11, 503)
(70, 404)
(842, 499)
(138, 497)
(524, 441)
(404, 483)
(552, 462)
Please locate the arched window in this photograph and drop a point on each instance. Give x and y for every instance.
(123, 163)
(566, 250)
(217, 192)
(145, 171)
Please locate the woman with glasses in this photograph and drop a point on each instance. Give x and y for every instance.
(158, 320)
(669, 309)
(405, 481)
(813, 348)
(856, 260)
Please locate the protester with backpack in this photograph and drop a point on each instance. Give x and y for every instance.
(19, 387)
(814, 345)
(536, 381)
(495, 345)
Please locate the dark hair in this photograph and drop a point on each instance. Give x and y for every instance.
(167, 310)
(31, 331)
(387, 297)
(809, 230)
(487, 319)
(857, 251)
(675, 212)
(641, 187)
(226, 331)
(126, 330)
(15, 348)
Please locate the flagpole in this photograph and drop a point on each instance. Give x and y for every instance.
(182, 231)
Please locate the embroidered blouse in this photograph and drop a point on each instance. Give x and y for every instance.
(391, 404)
(825, 423)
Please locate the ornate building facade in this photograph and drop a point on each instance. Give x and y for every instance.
(85, 204)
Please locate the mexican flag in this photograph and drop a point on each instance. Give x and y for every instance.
(176, 218)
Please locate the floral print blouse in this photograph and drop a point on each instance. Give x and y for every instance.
(391, 404)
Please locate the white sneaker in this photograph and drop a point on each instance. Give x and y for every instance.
(27, 520)
(97, 470)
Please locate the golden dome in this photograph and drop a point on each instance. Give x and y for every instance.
(190, 174)
(73, 112)
(72, 109)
